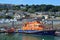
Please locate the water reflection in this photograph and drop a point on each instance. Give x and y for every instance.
(10, 37)
(19, 36)
(37, 37)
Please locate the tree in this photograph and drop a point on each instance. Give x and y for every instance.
(9, 17)
(31, 10)
(53, 10)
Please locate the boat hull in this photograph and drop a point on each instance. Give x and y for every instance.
(46, 32)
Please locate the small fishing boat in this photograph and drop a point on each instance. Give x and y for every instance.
(36, 27)
(10, 30)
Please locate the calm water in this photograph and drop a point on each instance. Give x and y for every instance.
(18, 36)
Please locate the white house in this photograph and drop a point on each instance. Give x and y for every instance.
(17, 16)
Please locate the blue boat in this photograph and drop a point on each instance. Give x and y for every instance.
(45, 32)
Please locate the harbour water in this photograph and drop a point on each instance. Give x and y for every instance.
(18, 36)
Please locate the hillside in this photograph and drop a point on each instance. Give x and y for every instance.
(31, 8)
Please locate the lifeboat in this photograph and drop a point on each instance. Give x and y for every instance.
(36, 27)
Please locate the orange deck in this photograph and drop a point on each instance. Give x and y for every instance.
(34, 25)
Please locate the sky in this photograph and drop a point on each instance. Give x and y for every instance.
(30, 2)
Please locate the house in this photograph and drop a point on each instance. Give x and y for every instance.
(22, 7)
(9, 14)
(17, 16)
(32, 15)
(2, 14)
(12, 11)
(57, 17)
(4, 11)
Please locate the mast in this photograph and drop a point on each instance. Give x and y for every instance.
(52, 24)
(12, 23)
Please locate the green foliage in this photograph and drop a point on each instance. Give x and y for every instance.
(34, 8)
(17, 7)
(1, 17)
(7, 17)
(31, 10)
(41, 8)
